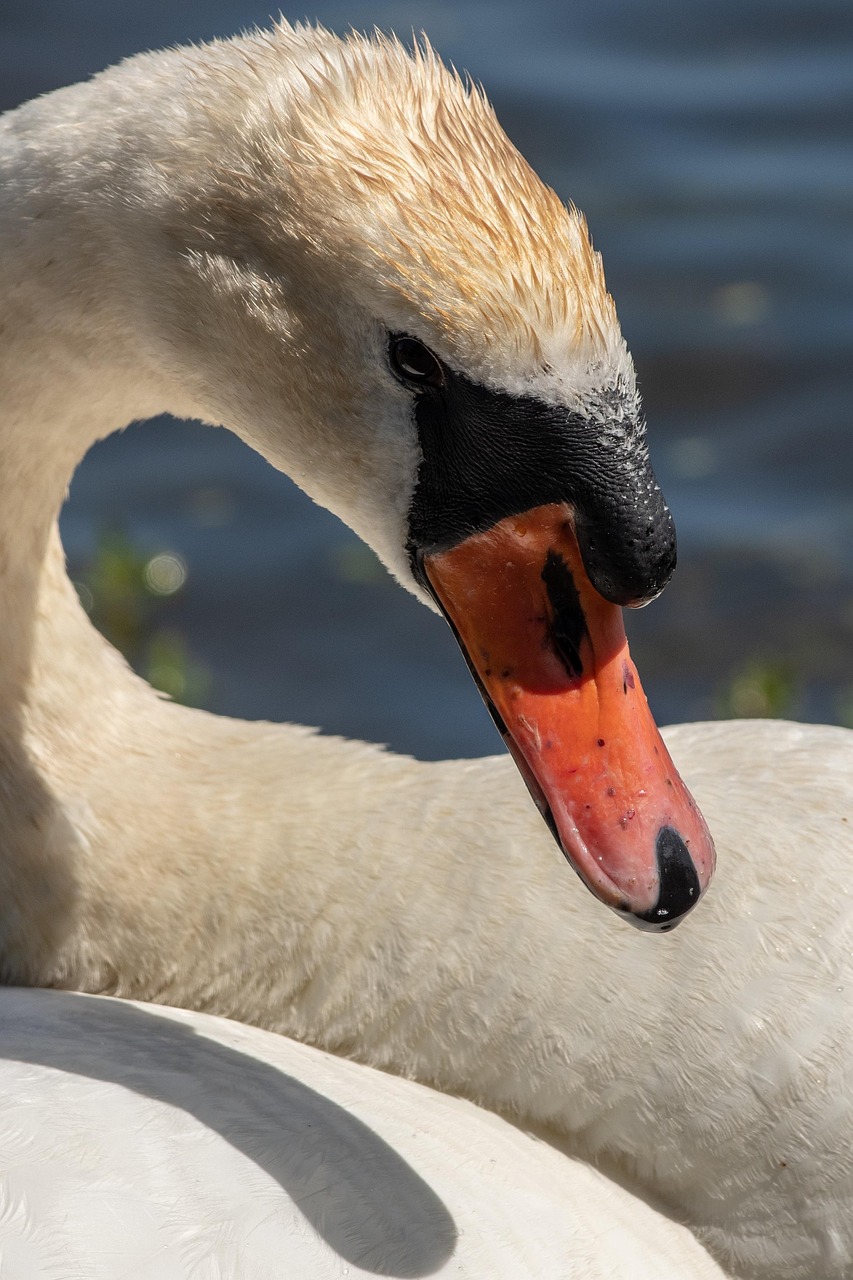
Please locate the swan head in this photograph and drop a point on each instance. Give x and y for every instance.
(380, 295)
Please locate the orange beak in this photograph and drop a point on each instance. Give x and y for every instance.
(552, 661)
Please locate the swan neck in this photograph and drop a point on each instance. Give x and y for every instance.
(73, 365)
(145, 843)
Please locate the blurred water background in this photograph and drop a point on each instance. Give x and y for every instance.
(710, 147)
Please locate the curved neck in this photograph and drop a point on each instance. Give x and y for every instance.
(299, 882)
(150, 849)
(164, 853)
(72, 369)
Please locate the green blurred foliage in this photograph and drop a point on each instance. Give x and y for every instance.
(128, 596)
(762, 688)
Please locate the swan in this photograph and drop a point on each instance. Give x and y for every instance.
(330, 247)
(246, 1154)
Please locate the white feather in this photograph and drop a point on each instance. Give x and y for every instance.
(165, 1145)
(159, 249)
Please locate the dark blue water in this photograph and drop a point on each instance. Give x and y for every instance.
(710, 146)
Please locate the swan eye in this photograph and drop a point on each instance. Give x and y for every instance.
(413, 362)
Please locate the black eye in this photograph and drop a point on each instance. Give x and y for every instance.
(414, 362)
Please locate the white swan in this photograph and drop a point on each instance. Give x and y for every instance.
(164, 1144)
(232, 232)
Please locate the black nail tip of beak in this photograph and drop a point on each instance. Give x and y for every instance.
(679, 889)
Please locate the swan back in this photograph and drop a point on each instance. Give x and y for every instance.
(169, 1145)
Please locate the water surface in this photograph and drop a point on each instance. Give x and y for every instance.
(710, 147)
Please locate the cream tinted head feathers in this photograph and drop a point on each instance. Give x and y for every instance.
(400, 168)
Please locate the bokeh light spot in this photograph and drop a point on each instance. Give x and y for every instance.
(164, 574)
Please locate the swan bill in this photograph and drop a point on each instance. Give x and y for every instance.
(551, 659)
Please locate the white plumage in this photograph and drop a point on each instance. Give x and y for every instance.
(193, 232)
(163, 1145)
